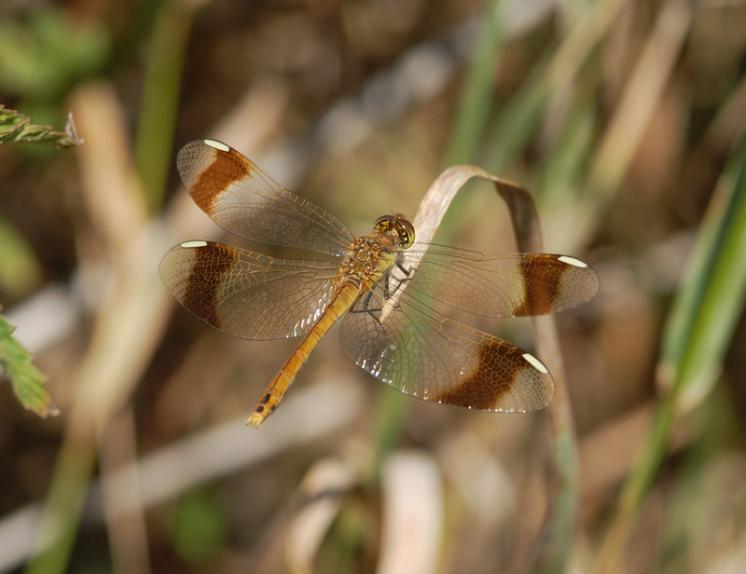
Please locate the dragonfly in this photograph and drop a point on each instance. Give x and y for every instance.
(390, 293)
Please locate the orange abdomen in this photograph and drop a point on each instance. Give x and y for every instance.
(342, 301)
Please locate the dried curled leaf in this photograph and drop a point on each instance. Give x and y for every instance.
(16, 127)
(27, 381)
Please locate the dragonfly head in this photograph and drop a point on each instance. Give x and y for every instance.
(398, 226)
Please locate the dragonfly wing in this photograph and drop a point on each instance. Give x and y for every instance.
(511, 285)
(430, 357)
(248, 294)
(244, 200)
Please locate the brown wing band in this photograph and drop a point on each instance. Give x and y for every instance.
(493, 377)
(203, 285)
(540, 287)
(225, 168)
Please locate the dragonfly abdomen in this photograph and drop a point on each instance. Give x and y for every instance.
(343, 300)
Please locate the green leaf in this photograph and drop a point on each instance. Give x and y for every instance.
(27, 381)
(20, 271)
(42, 56)
(197, 526)
(16, 127)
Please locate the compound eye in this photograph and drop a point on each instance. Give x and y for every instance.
(406, 232)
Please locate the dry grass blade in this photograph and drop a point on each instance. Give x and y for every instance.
(227, 447)
(439, 197)
(112, 365)
(132, 317)
(527, 231)
(412, 514)
(123, 506)
(320, 499)
(632, 117)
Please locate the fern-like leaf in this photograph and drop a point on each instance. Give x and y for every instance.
(27, 381)
(16, 127)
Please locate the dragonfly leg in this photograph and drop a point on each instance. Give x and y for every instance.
(366, 308)
(403, 269)
(387, 292)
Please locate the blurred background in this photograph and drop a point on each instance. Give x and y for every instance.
(625, 120)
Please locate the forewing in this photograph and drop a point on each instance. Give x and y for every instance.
(430, 357)
(510, 285)
(248, 294)
(244, 200)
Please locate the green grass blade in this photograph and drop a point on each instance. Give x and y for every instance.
(696, 335)
(159, 103)
(710, 301)
(518, 120)
(476, 98)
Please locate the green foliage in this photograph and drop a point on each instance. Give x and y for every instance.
(517, 120)
(197, 526)
(20, 269)
(160, 99)
(350, 533)
(42, 57)
(560, 178)
(711, 300)
(476, 98)
(696, 335)
(27, 381)
(18, 262)
(15, 127)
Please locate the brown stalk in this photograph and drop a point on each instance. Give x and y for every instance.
(134, 311)
(123, 507)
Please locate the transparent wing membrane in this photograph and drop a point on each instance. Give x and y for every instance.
(509, 285)
(244, 200)
(394, 331)
(247, 294)
(433, 358)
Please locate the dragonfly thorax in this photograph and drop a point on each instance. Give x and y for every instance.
(368, 258)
